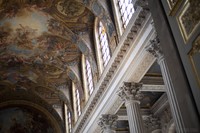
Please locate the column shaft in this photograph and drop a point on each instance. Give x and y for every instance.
(176, 113)
(134, 117)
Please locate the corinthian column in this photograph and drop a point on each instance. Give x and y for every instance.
(131, 95)
(155, 50)
(152, 124)
(107, 122)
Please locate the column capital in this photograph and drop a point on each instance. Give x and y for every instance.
(141, 3)
(152, 123)
(130, 91)
(154, 48)
(107, 121)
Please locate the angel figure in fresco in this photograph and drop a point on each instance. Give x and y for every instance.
(24, 36)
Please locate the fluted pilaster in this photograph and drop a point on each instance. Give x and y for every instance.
(155, 49)
(130, 93)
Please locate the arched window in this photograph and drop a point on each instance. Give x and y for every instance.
(68, 119)
(103, 42)
(76, 102)
(89, 77)
(123, 12)
(126, 10)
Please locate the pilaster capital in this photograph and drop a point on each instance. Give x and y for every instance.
(152, 123)
(154, 48)
(107, 121)
(130, 91)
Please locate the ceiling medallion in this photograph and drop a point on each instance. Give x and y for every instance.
(70, 8)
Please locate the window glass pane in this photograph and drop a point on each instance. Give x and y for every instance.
(89, 77)
(126, 10)
(78, 106)
(104, 42)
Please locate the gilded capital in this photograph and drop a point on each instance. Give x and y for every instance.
(130, 91)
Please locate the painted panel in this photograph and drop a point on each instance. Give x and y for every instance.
(189, 19)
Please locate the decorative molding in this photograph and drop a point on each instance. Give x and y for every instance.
(174, 5)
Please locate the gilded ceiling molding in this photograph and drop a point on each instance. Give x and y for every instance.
(135, 29)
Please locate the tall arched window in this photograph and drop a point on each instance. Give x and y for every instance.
(68, 119)
(78, 104)
(126, 10)
(89, 77)
(103, 42)
(76, 101)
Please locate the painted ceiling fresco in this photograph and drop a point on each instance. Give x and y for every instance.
(24, 120)
(40, 43)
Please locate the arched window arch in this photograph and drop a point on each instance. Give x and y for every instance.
(87, 77)
(102, 45)
(123, 10)
(76, 101)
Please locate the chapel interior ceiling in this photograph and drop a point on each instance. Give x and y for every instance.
(38, 44)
